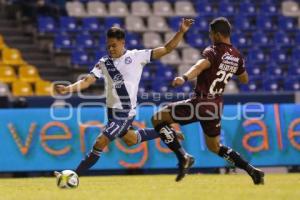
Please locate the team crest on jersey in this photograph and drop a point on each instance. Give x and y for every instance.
(128, 60)
(118, 80)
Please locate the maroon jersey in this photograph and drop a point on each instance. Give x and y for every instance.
(225, 61)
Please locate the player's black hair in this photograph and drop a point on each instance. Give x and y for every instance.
(115, 32)
(220, 25)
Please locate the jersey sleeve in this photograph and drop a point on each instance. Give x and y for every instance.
(209, 54)
(97, 71)
(144, 56)
(241, 68)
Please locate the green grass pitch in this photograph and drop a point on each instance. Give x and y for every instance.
(155, 187)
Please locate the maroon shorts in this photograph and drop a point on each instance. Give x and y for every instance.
(206, 111)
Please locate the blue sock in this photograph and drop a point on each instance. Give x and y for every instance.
(146, 134)
(88, 161)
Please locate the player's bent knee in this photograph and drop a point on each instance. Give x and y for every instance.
(101, 142)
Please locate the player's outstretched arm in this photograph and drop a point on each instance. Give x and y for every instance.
(243, 78)
(77, 86)
(192, 73)
(174, 41)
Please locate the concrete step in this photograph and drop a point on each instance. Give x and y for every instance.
(18, 39)
(35, 56)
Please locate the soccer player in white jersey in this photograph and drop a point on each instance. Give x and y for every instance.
(122, 70)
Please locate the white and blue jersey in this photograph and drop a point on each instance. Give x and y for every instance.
(122, 77)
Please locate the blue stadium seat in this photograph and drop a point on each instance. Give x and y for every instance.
(292, 83)
(257, 56)
(272, 83)
(185, 88)
(275, 70)
(68, 24)
(166, 72)
(46, 25)
(113, 21)
(279, 56)
(269, 9)
(254, 84)
(265, 22)
(161, 85)
(205, 9)
(133, 41)
(296, 55)
(227, 9)
(196, 40)
(201, 23)
(297, 38)
(240, 40)
(174, 22)
(80, 58)
(283, 40)
(294, 69)
(91, 24)
(147, 74)
(243, 23)
(63, 42)
(287, 23)
(85, 41)
(262, 40)
(248, 8)
(255, 69)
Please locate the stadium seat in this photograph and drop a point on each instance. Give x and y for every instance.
(292, 83)
(288, 23)
(269, 9)
(2, 44)
(184, 8)
(147, 74)
(20, 88)
(169, 35)
(4, 90)
(227, 9)
(185, 88)
(152, 40)
(183, 68)
(162, 8)
(75, 9)
(68, 24)
(113, 21)
(248, 9)
(264, 22)
(205, 9)
(279, 56)
(96, 9)
(201, 23)
(255, 69)
(135, 24)
(243, 23)
(161, 85)
(85, 41)
(91, 24)
(190, 55)
(275, 70)
(196, 40)
(295, 54)
(294, 69)
(80, 58)
(140, 8)
(297, 38)
(254, 84)
(258, 56)
(118, 9)
(11, 57)
(240, 40)
(133, 41)
(63, 42)
(7, 74)
(46, 25)
(174, 22)
(158, 24)
(262, 40)
(283, 40)
(43, 88)
(28, 73)
(272, 84)
(172, 58)
(290, 8)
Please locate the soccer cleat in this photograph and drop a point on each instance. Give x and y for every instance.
(184, 166)
(257, 176)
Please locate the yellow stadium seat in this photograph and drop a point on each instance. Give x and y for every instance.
(28, 73)
(20, 88)
(43, 88)
(11, 57)
(2, 43)
(7, 74)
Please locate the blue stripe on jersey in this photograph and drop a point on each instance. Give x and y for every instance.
(119, 84)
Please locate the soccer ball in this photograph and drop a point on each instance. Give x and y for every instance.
(67, 179)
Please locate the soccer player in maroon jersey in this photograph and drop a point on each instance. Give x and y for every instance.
(219, 63)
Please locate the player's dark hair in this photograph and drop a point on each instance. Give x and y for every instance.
(115, 32)
(221, 25)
